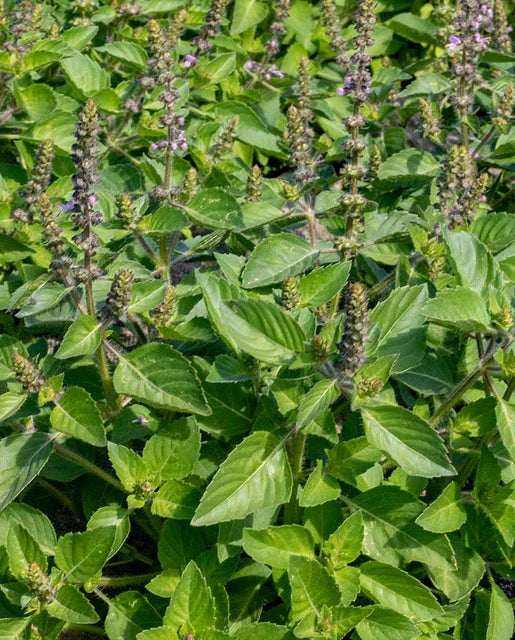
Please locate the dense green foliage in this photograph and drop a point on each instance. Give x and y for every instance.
(257, 266)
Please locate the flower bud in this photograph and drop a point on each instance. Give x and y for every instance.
(254, 190)
(165, 312)
(290, 294)
(27, 373)
(119, 296)
(356, 328)
(39, 583)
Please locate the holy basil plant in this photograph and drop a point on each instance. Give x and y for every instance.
(257, 357)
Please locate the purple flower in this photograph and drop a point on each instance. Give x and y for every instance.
(154, 146)
(482, 199)
(250, 64)
(189, 60)
(472, 152)
(92, 199)
(454, 43)
(180, 120)
(272, 69)
(481, 41)
(340, 91)
(141, 420)
(68, 206)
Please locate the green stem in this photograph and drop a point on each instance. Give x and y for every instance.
(125, 581)
(163, 253)
(509, 389)
(103, 369)
(63, 499)
(485, 138)
(88, 629)
(102, 596)
(89, 466)
(291, 511)
(462, 387)
(471, 462)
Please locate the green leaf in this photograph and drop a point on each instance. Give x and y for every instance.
(317, 400)
(385, 624)
(11, 250)
(251, 130)
(495, 230)
(275, 546)
(129, 467)
(472, 262)
(10, 402)
(158, 633)
(117, 520)
(430, 377)
(58, 127)
(82, 338)
(322, 285)
(78, 37)
(247, 14)
(178, 544)
(408, 439)
(174, 450)
(446, 513)
(215, 208)
(161, 377)
(192, 608)
(399, 591)
(71, 606)
(36, 523)
(344, 545)
(459, 308)
(277, 257)
(259, 328)
(257, 214)
(255, 475)
(76, 414)
(176, 499)
(126, 52)
(263, 631)
(388, 514)
(37, 100)
(42, 299)
(397, 327)
(14, 628)
(146, 295)
(426, 84)
(22, 549)
(82, 555)
(319, 488)
(22, 456)
(352, 459)
(505, 413)
(300, 22)
(129, 614)
(84, 75)
(500, 615)
(406, 168)
(413, 28)
(312, 587)
(220, 67)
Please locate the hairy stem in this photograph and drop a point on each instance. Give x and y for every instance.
(464, 385)
(291, 511)
(65, 452)
(125, 581)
